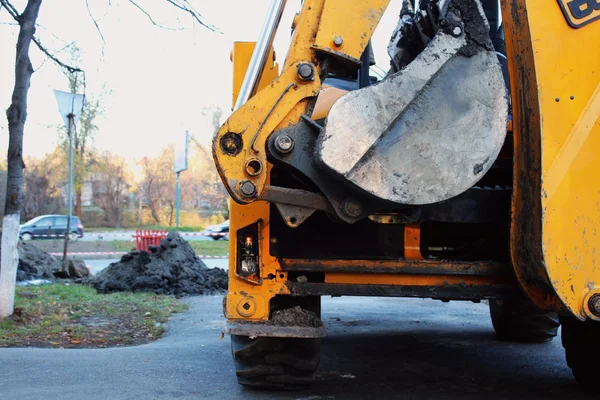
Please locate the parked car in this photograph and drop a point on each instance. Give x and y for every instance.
(220, 231)
(49, 226)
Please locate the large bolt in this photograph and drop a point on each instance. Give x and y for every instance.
(231, 143)
(248, 189)
(594, 304)
(351, 208)
(338, 40)
(284, 143)
(306, 72)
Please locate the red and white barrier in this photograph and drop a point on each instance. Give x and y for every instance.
(214, 257)
(129, 235)
(87, 253)
(120, 253)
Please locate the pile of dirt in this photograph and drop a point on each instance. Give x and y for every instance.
(171, 268)
(35, 263)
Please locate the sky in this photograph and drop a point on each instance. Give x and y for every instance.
(157, 82)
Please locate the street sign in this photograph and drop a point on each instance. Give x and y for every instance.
(181, 153)
(69, 103)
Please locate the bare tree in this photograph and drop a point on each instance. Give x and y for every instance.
(158, 185)
(3, 182)
(201, 186)
(16, 115)
(41, 193)
(110, 180)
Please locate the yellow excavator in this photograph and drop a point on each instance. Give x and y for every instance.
(468, 172)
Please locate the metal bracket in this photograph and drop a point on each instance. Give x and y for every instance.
(294, 205)
(294, 216)
(347, 204)
(294, 197)
(239, 146)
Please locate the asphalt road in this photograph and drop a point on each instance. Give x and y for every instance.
(378, 349)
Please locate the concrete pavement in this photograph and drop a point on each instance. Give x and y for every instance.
(376, 348)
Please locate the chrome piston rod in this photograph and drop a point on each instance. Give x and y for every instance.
(260, 53)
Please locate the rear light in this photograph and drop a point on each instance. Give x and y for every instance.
(247, 253)
(249, 264)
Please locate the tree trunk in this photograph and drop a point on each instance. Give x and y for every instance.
(77, 210)
(16, 115)
(171, 208)
(139, 210)
(154, 213)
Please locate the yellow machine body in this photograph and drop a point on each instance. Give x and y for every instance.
(555, 75)
(555, 89)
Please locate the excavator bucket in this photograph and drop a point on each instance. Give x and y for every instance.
(430, 131)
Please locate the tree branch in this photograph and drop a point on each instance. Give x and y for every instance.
(199, 145)
(11, 10)
(17, 17)
(152, 19)
(87, 5)
(184, 5)
(69, 68)
(59, 51)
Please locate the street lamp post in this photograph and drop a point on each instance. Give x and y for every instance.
(181, 164)
(65, 268)
(70, 106)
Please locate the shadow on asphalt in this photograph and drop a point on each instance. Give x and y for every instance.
(430, 364)
(375, 349)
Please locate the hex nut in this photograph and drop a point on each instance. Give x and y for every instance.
(338, 41)
(247, 189)
(351, 208)
(284, 143)
(306, 72)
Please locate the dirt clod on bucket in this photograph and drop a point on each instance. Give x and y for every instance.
(171, 268)
(296, 316)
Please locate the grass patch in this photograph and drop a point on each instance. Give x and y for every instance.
(56, 245)
(72, 315)
(167, 228)
(202, 247)
(122, 245)
(210, 247)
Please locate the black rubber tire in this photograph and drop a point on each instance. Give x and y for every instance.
(580, 340)
(522, 321)
(275, 363)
